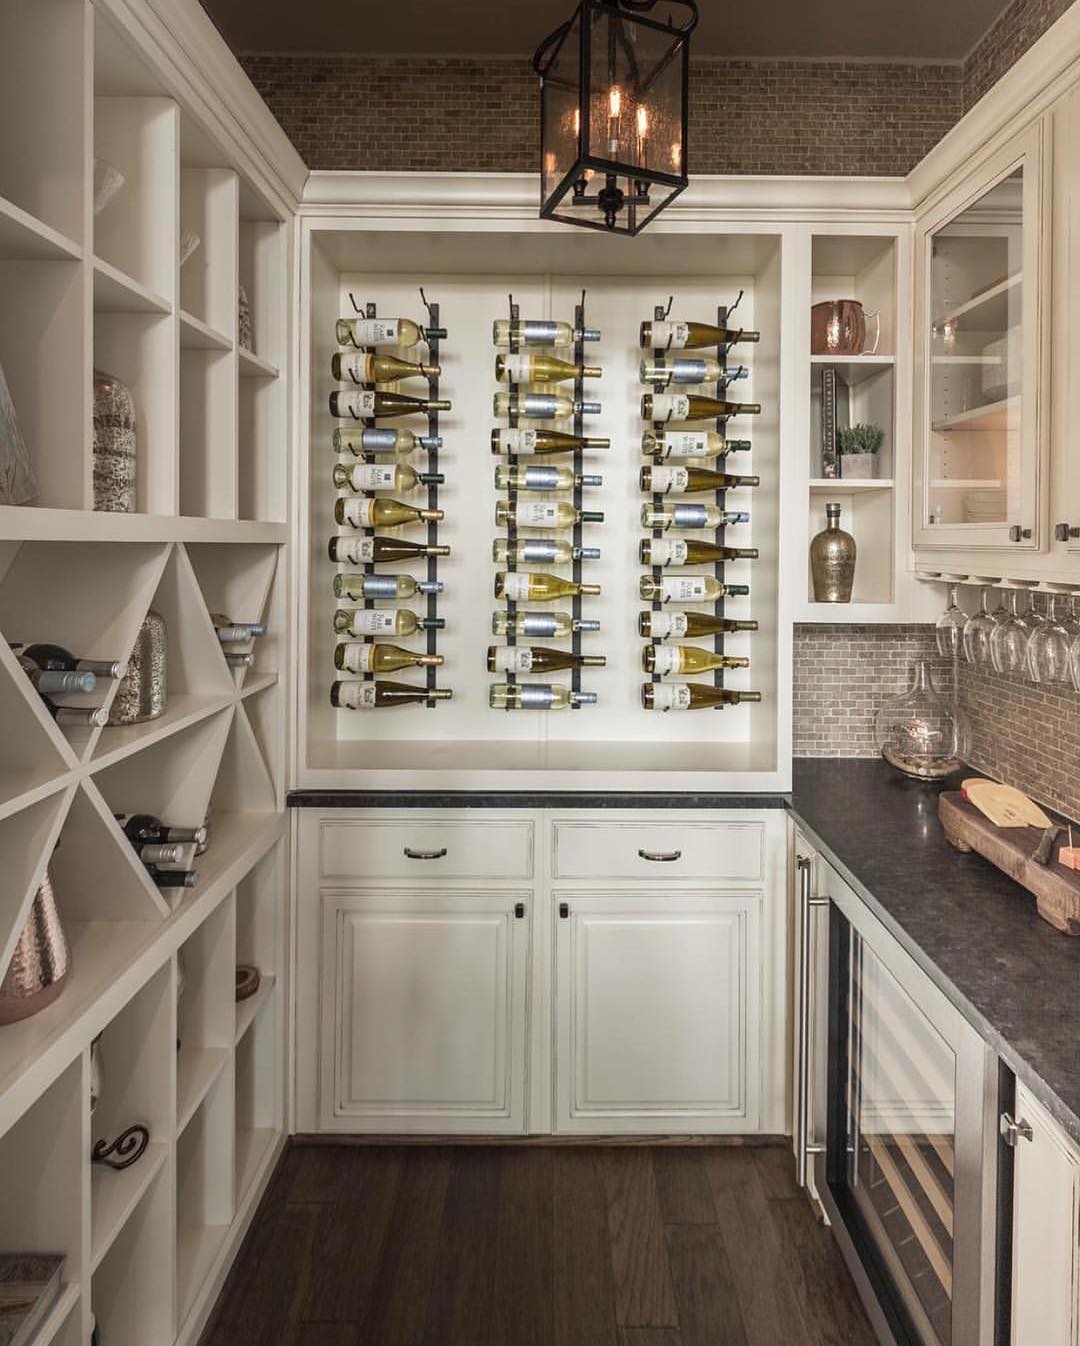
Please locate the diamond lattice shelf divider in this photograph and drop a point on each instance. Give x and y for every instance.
(236, 582)
(243, 783)
(36, 753)
(27, 840)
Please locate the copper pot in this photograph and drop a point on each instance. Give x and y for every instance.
(40, 963)
(838, 327)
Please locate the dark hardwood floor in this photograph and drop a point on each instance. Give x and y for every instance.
(537, 1246)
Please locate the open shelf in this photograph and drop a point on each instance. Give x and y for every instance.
(132, 1288)
(853, 369)
(247, 1011)
(24, 238)
(205, 1177)
(253, 366)
(198, 1069)
(115, 1195)
(1002, 415)
(117, 292)
(209, 211)
(208, 431)
(198, 335)
(823, 485)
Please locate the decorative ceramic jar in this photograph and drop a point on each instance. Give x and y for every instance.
(919, 733)
(114, 445)
(244, 333)
(40, 963)
(143, 691)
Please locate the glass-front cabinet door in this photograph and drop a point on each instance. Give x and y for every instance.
(980, 358)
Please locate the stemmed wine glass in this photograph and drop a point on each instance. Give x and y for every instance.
(1009, 640)
(977, 631)
(949, 631)
(1049, 649)
(1072, 625)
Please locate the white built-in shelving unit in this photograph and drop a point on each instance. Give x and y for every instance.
(147, 1247)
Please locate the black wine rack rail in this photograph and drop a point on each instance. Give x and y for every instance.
(432, 337)
(723, 314)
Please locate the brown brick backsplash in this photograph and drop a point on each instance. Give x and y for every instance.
(1015, 31)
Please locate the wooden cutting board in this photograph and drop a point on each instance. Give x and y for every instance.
(1056, 889)
(1004, 805)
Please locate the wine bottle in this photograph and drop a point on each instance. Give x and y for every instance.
(685, 369)
(536, 696)
(543, 514)
(541, 406)
(379, 622)
(229, 631)
(691, 444)
(537, 659)
(682, 551)
(538, 625)
(380, 332)
(681, 336)
(358, 551)
(237, 660)
(87, 715)
(538, 332)
(541, 478)
(361, 367)
(540, 551)
(144, 829)
(687, 407)
(367, 512)
(375, 402)
(56, 657)
(522, 586)
(378, 439)
(385, 587)
(540, 369)
(58, 682)
(691, 516)
(691, 696)
(173, 878)
(662, 659)
(383, 477)
(376, 695)
(355, 657)
(661, 479)
(688, 588)
(168, 854)
(519, 441)
(663, 625)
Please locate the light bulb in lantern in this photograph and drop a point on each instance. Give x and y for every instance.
(676, 156)
(615, 102)
(577, 121)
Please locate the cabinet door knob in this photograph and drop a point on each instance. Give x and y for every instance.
(660, 855)
(519, 910)
(1018, 534)
(564, 910)
(410, 854)
(1014, 1129)
(1063, 532)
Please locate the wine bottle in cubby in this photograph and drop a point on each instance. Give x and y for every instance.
(679, 370)
(383, 477)
(691, 696)
(58, 682)
(354, 656)
(688, 589)
(681, 551)
(368, 512)
(536, 696)
(363, 368)
(236, 659)
(378, 622)
(229, 631)
(379, 439)
(541, 406)
(521, 586)
(542, 478)
(540, 551)
(375, 402)
(543, 514)
(379, 695)
(691, 516)
(690, 444)
(538, 625)
(662, 479)
(143, 829)
(382, 332)
(683, 659)
(173, 878)
(387, 588)
(358, 551)
(56, 657)
(681, 336)
(678, 625)
(178, 855)
(538, 659)
(96, 716)
(538, 332)
(518, 440)
(687, 407)
(523, 368)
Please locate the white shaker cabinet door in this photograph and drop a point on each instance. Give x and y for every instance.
(1046, 1238)
(423, 1021)
(657, 1012)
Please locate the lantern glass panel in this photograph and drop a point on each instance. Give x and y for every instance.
(560, 131)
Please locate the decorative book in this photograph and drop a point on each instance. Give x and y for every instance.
(29, 1286)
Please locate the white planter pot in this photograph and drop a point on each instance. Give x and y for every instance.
(858, 466)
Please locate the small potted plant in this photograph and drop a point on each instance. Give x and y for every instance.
(858, 446)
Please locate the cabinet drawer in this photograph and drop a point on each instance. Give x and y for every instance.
(659, 850)
(418, 849)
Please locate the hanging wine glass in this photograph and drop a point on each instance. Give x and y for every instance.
(1072, 623)
(1049, 649)
(977, 629)
(1009, 640)
(950, 628)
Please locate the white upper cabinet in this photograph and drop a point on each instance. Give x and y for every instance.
(1065, 332)
(981, 371)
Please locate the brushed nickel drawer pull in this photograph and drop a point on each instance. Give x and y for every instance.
(410, 854)
(660, 855)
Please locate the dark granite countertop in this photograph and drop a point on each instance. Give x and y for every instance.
(974, 931)
(527, 799)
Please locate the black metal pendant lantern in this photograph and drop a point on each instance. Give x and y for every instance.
(613, 107)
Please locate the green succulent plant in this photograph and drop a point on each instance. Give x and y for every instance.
(861, 438)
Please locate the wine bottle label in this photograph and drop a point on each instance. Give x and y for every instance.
(687, 443)
(357, 695)
(513, 659)
(533, 549)
(537, 514)
(535, 695)
(355, 368)
(665, 657)
(667, 479)
(355, 550)
(690, 516)
(664, 625)
(372, 622)
(683, 589)
(537, 624)
(669, 551)
(357, 404)
(376, 331)
(358, 658)
(673, 335)
(517, 441)
(373, 477)
(671, 696)
(665, 407)
(359, 512)
(516, 586)
(518, 368)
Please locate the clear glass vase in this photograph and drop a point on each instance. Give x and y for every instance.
(920, 733)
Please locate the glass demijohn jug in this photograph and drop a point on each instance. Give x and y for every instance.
(919, 733)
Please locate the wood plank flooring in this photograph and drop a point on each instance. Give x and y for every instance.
(537, 1246)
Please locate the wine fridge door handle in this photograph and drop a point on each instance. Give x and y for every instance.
(804, 1141)
(663, 857)
(410, 854)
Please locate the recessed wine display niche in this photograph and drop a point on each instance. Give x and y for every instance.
(472, 275)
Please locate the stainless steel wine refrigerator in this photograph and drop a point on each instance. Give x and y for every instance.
(896, 1131)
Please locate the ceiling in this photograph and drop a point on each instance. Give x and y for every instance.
(921, 30)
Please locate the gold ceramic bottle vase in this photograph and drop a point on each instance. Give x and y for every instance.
(40, 962)
(832, 560)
